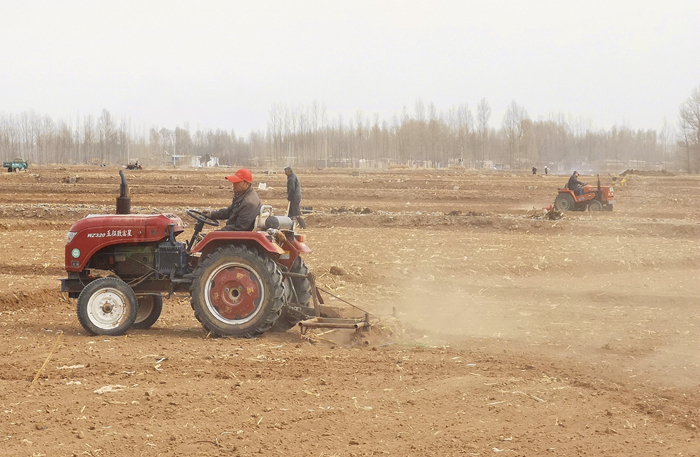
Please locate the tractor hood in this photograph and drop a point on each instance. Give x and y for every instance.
(96, 231)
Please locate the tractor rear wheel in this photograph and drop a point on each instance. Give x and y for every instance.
(564, 202)
(107, 306)
(150, 307)
(297, 297)
(237, 292)
(595, 205)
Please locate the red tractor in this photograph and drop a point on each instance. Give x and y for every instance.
(593, 198)
(241, 284)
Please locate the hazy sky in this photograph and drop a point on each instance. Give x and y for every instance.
(222, 64)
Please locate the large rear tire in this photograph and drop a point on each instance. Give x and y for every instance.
(150, 307)
(297, 297)
(107, 306)
(564, 202)
(237, 292)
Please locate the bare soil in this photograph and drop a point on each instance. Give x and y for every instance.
(496, 331)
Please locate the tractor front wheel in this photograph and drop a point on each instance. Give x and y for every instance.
(237, 292)
(564, 202)
(107, 306)
(595, 205)
(150, 307)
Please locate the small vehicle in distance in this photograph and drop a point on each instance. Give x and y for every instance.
(593, 198)
(16, 165)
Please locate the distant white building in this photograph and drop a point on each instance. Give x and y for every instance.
(199, 161)
(174, 159)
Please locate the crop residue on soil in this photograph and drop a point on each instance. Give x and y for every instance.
(498, 331)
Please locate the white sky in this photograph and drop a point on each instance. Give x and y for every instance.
(222, 64)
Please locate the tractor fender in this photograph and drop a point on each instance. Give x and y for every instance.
(301, 247)
(214, 240)
(293, 248)
(584, 197)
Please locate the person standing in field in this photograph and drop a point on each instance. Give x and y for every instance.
(294, 196)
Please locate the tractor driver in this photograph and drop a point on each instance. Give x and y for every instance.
(240, 216)
(575, 185)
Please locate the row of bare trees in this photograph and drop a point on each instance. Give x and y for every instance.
(305, 135)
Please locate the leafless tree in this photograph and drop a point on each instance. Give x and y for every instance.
(483, 114)
(90, 139)
(513, 131)
(689, 130)
(666, 141)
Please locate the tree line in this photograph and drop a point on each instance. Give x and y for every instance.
(306, 136)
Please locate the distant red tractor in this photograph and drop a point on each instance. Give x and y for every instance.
(593, 198)
(241, 284)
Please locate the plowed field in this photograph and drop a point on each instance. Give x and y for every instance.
(496, 331)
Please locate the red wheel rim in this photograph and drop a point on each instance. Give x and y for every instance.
(234, 292)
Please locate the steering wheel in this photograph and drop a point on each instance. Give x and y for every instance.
(202, 218)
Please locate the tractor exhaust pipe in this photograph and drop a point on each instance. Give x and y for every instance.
(123, 201)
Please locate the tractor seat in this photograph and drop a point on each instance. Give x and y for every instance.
(265, 212)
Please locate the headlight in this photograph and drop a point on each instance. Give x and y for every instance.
(70, 236)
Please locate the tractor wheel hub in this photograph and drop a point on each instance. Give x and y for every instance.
(234, 293)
